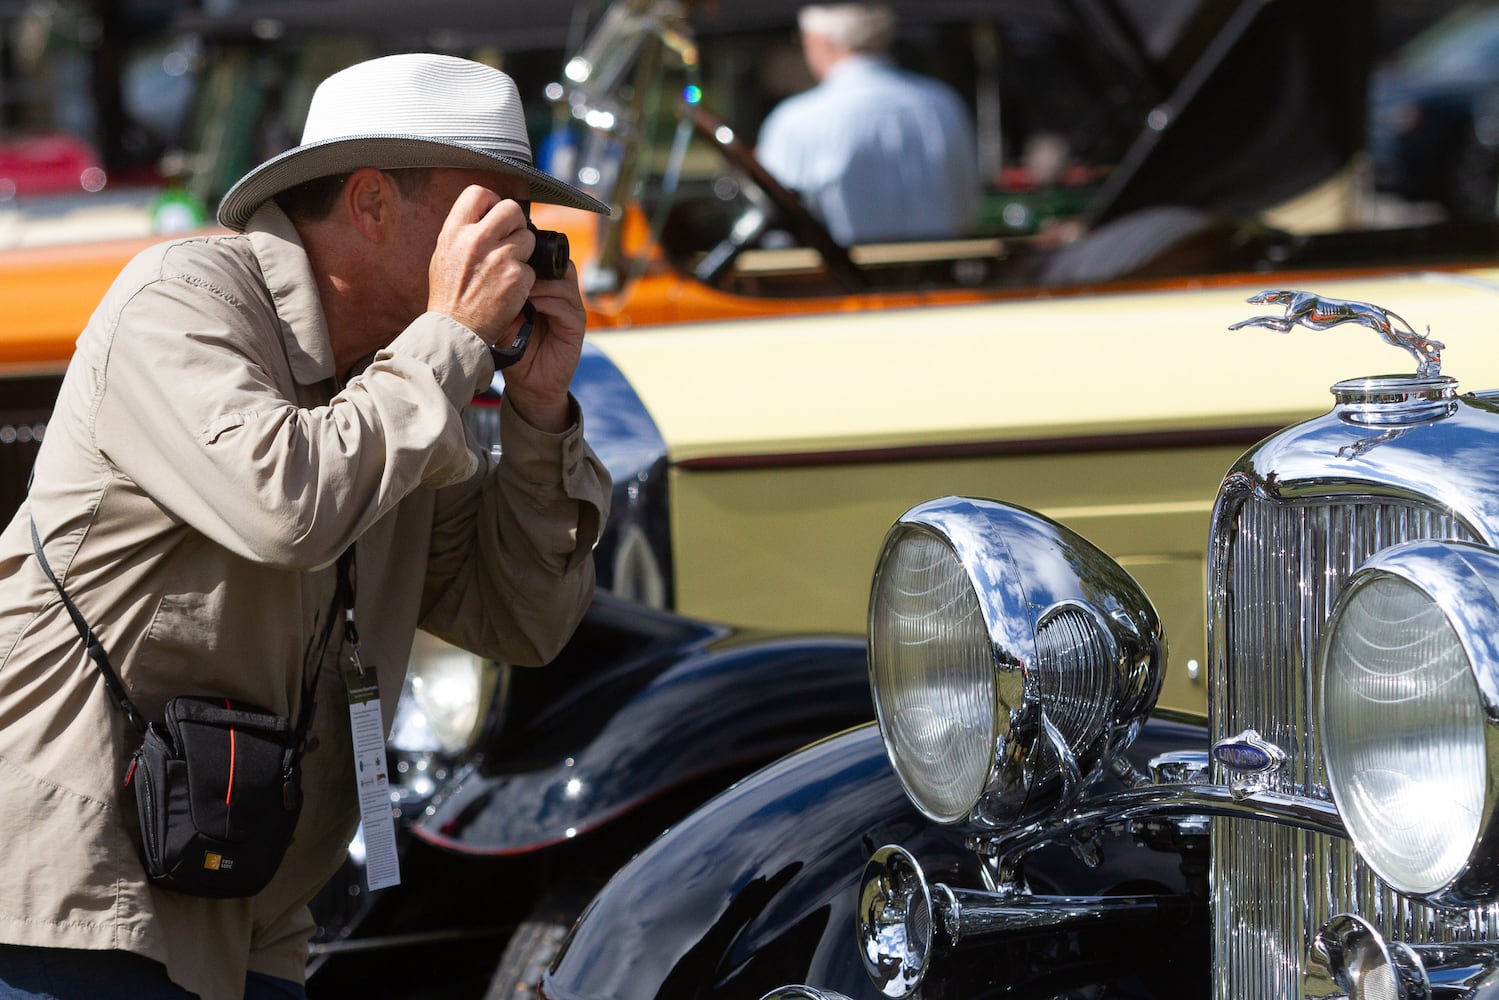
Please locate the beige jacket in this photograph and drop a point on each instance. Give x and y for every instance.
(201, 474)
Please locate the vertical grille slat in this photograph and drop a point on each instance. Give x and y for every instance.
(1284, 565)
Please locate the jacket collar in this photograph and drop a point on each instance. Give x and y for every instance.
(289, 279)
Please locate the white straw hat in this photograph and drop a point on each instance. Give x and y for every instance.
(413, 110)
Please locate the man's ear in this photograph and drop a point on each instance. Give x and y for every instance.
(368, 201)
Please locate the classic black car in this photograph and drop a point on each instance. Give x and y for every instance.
(1032, 830)
(534, 797)
(1434, 115)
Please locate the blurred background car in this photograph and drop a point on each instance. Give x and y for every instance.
(49, 163)
(1434, 115)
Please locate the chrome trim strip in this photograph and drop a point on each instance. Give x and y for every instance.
(1167, 802)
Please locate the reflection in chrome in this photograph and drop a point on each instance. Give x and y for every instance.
(1252, 759)
(1350, 958)
(895, 919)
(802, 993)
(1320, 312)
(1157, 802)
(1065, 645)
(1410, 672)
(900, 917)
(1395, 487)
(1395, 403)
(1180, 767)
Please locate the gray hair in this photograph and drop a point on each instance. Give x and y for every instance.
(858, 27)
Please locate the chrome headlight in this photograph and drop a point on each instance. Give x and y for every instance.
(1408, 714)
(1009, 659)
(445, 699)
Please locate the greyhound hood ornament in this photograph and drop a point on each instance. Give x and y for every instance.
(1319, 312)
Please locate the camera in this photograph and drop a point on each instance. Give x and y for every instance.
(549, 259)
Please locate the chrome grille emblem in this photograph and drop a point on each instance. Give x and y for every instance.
(1249, 753)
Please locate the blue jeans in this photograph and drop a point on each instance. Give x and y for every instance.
(70, 974)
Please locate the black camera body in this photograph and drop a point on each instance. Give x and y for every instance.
(549, 261)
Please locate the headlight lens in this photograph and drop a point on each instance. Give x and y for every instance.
(446, 696)
(934, 675)
(1404, 721)
(1008, 657)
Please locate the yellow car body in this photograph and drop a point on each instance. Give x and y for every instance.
(794, 443)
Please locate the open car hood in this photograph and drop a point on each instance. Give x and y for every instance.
(1268, 101)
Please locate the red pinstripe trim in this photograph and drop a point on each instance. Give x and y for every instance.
(229, 792)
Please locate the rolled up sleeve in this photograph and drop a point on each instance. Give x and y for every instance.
(510, 573)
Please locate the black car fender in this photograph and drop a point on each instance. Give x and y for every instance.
(640, 704)
(758, 888)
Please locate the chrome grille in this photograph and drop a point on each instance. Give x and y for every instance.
(1283, 566)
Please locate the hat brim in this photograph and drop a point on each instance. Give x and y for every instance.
(386, 152)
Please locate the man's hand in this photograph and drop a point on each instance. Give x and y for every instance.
(479, 277)
(537, 384)
(478, 273)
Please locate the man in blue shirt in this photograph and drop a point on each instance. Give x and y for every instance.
(877, 152)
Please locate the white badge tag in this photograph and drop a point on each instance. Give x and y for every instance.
(382, 865)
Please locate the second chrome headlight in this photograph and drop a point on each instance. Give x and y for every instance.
(1009, 659)
(1408, 681)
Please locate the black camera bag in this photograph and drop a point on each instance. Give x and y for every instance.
(218, 792)
(218, 785)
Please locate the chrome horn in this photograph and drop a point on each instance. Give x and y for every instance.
(901, 917)
(895, 921)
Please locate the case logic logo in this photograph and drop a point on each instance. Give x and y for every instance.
(216, 862)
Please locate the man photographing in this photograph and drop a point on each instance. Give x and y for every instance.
(257, 444)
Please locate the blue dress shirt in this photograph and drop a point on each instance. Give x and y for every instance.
(877, 152)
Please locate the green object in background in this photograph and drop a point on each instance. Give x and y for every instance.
(175, 210)
(1022, 213)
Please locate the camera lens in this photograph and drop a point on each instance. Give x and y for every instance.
(549, 259)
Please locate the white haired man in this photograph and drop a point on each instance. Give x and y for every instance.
(876, 151)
